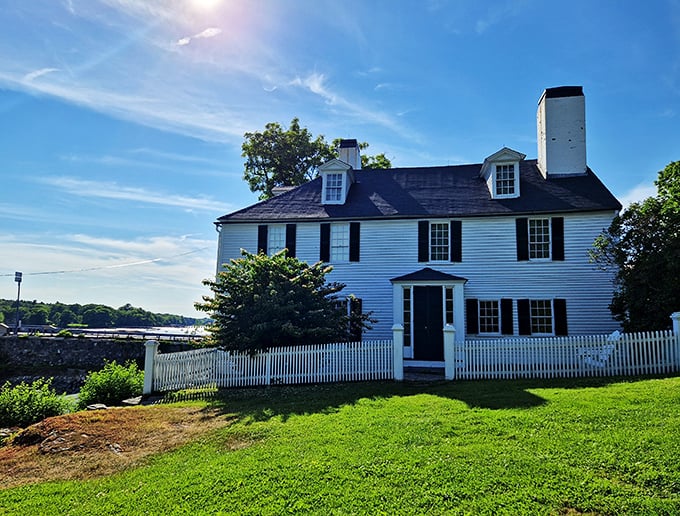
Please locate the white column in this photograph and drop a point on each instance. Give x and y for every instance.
(151, 350)
(449, 352)
(675, 317)
(398, 351)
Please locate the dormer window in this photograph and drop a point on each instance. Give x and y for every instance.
(501, 173)
(505, 180)
(333, 188)
(336, 179)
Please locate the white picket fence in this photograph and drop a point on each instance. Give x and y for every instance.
(340, 362)
(594, 355)
(551, 357)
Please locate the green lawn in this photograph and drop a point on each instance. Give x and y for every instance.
(512, 447)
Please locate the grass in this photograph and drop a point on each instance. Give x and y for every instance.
(514, 447)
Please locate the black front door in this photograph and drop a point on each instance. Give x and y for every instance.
(428, 324)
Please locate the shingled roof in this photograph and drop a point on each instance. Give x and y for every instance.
(431, 192)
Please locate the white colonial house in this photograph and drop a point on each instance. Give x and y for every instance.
(498, 248)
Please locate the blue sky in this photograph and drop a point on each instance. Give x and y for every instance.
(121, 121)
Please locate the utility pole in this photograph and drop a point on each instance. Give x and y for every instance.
(17, 278)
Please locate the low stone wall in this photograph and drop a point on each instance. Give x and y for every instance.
(68, 360)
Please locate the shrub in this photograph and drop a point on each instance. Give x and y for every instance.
(64, 333)
(26, 404)
(112, 384)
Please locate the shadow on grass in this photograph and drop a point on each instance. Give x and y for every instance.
(263, 403)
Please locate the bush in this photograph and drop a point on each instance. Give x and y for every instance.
(26, 404)
(64, 333)
(112, 384)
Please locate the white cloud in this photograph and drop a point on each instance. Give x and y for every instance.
(316, 83)
(637, 193)
(160, 273)
(210, 32)
(38, 73)
(110, 190)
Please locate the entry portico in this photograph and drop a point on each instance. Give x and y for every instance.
(423, 303)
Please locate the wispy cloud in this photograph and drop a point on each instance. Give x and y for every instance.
(316, 83)
(111, 190)
(31, 76)
(210, 32)
(88, 269)
(638, 193)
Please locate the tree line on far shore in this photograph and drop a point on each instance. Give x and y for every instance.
(91, 315)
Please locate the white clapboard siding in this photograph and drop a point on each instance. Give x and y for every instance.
(389, 249)
(323, 363)
(587, 355)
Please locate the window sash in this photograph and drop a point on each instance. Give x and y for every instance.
(407, 316)
(334, 187)
(539, 239)
(339, 243)
(489, 317)
(276, 239)
(541, 313)
(439, 241)
(505, 179)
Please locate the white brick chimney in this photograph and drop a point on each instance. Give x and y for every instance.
(561, 128)
(348, 151)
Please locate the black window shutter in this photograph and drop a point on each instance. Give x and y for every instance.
(262, 239)
(507, 327)
(355, 310)
(354, 241)
(524, 316)
(423, 241)
(557, 228)
(472, 316)
(456, 241)
(522, 229)
(325, 243)
(291, 232)
(560, 315)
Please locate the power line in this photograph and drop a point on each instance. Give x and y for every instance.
(117, 266)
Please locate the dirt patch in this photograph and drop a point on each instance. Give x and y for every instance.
(97, 443)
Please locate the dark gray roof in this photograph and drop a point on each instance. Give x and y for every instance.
(452, 191)
(427, 274)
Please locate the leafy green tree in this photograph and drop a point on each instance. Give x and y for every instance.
(98, 317)
(262, 301)
(290, 157)
(278, 157)
(642, 248)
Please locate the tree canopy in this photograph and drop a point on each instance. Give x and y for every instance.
(92, 315)
(290, 157)
(642, 248)
(262, 301)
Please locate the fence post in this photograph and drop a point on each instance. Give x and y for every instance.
(449, 352)
(398, 351)
(675, 317)
(149, 358)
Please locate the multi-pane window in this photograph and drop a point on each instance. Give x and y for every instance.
(505, 179)
(407, 316)
(276, 239)
(541, 316)
(448, 305)
(489, 317)
(339, 243)
(439, 241)
(539, 238)
(333, 187)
